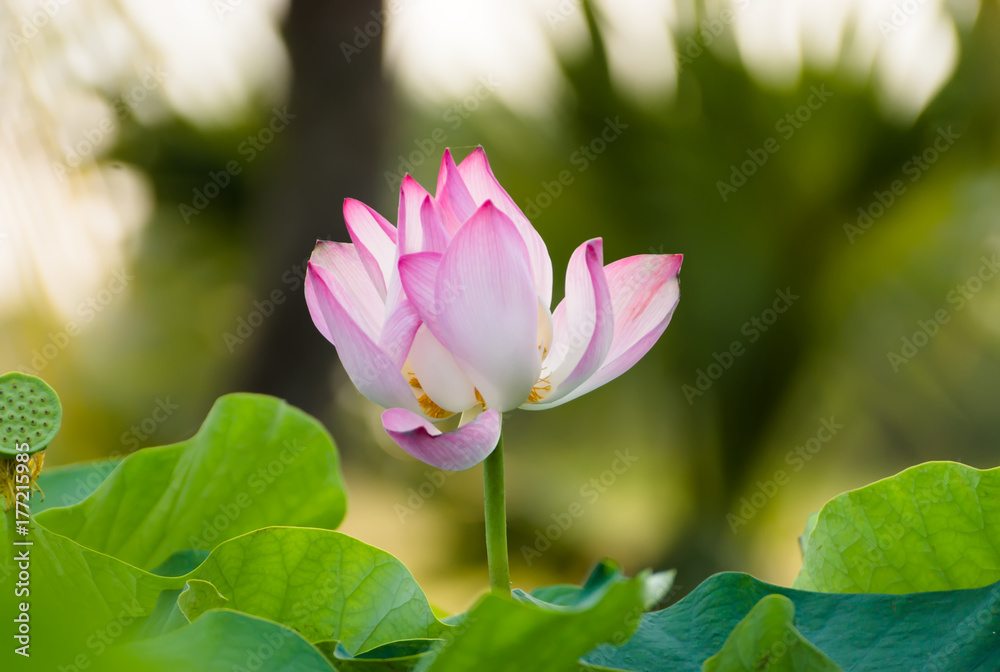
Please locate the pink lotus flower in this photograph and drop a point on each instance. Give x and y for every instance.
(450, 314)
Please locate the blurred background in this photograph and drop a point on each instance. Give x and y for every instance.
(829, 168)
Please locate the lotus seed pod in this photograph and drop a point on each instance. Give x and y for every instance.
(30, 413)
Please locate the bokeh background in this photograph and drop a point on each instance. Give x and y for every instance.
(166, 167)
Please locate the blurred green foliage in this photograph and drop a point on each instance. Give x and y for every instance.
(702, 458)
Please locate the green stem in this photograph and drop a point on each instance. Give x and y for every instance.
(496, 522)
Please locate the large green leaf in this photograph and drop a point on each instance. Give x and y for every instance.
(88, 587)
(499, 635)
(255, 462)
(81, 602)
(323, 584)
(950, 631)
(932, 527)
(320, 583)
(766, 639)
(348, 597)
(221, 641)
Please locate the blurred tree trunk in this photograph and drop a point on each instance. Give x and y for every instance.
(332, 152)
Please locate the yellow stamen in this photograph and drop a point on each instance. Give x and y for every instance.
(431, 409)
(9, 474)
(427, 405)
(541, 389)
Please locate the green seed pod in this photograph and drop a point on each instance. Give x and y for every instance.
(30, 412)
